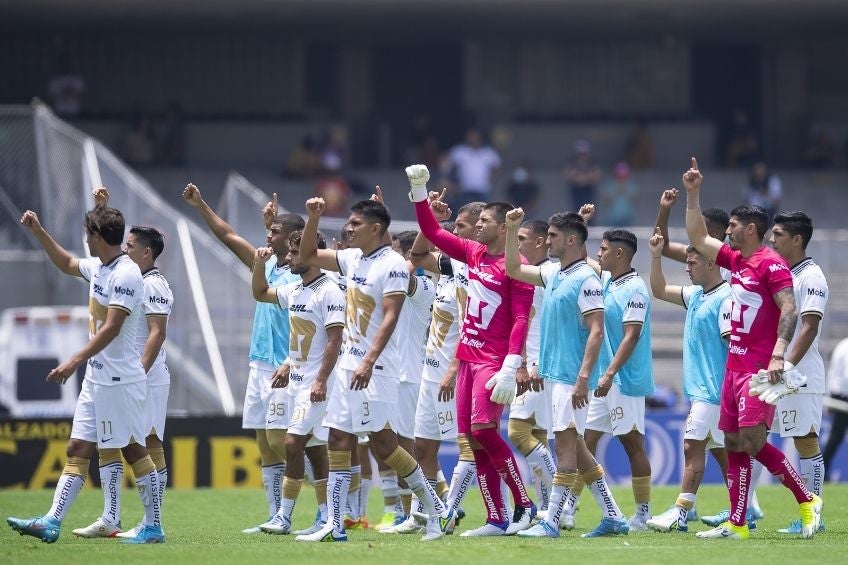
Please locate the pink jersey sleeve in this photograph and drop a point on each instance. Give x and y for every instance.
(449, 243)
(725, 257)
(778, 276)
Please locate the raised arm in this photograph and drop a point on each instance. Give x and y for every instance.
(259, 284)
(696, 229)
(420, 254)
(671, 249)
(449, 243)
(240, 247)
(309, 252)
(530, 274)
(60, 257)
(659, 287)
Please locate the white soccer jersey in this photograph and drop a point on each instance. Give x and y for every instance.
(810, 287)
(369, 278)
(158, 301)
(444, 331)
(534, 328)
(460, 274)
(115, 285)
(411, 330)
(313, 308)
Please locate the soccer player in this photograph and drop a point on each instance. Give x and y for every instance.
(269, 340)
(762, 325)
(110, 409)
(705, 335)
(316, 319)
(491, 343)
(572, 334)
(799, 415)
(618, 404)
(365, 393)
(530, 413)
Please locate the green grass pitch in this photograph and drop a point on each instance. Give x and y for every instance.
(204, 526)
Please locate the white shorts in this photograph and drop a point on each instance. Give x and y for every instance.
(407, 403)
(257, 397)
(702, 424)
(156, 410)
(616, 413)
(564, 416)
(798, 414)
(110, 416)
(305, 416)
(434, 420)
(358, 411)
(534, 405)
(277, 417)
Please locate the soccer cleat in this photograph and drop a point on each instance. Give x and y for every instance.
(692, 515)
(521, 519)
(256, 529)
(810, 516)
(317, 525)
(459, 515)
(725, 530)
(637, 523)
(755, 513)
(351, 523)
(326, 534)
(566, 521)
(99, 529)
(148, 534)
(488, 529)
(752, 515)
(609, 527)
(45, 528)
(540, 530)
(387, 521)
(447, 523)
(411, 525)
(277, 525)
(433, 529)
(132, 532)
(795, 528)
(667, 521)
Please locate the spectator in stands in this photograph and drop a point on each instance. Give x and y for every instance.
(138, 146)
(523, 191)
(66, 88)
(333, 151)
(174, 141)
(476, 166)
(764, 189)
(837, 377)
(333, 187)
(304, 161)
(743, 148)
(640, 148)
(618, 196)
(582, 174)
(822, 151)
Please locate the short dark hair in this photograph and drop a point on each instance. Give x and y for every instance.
(717, 216)
(796, 223)
(289, 222)
(150, 237)
(625, 237)
(107, 222)
(752, 214)
(538, 227)
(296, 236)
(405, 239)
(473, 209)
(499, 209)
(343, 233)
(693, 249)
(373, 211)
(570, 222)
(447, 225)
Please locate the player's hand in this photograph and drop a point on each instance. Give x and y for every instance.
(361, 376)
(522, 381)
(319, 392)
(447, 386)
(656, 243)
(580, 393)
(280, 378)
(692, 178)
(668, 198)
(62, 373)
(270, 211)
(537, 383)
(440, 208)
(29, 220)
(418, 175)
(315, 207)
(101, 196)
(191, 194)
(262, 255)
(378, 195)
(514, 217)
(775, 370)
(604, 386)
(502, 383)
(587, 212)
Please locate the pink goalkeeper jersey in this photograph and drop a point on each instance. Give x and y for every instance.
(497, 308)
(754, 316)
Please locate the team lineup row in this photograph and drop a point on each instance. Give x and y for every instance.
(428, 336)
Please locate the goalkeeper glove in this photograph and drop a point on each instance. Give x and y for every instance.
(418, 176)
(792, 381)
(502, 383)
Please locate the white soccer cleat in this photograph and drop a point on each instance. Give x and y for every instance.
(276, 525)
(667, 521)
(638, 523)
(325, 534)
(311, 529)
(566, 521)
(486, 530)
(726, 530)
(99, 529)
(522, 519)
(132, 532)
(434, 529)
(408, 526)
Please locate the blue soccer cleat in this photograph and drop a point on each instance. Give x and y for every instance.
(609, 527)
(148, 534)
(751, 516)
(692, 515)
(45, 528)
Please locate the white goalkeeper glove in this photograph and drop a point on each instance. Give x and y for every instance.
(502, 383)
(418, 176)
(792, 381)
(759, 383)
